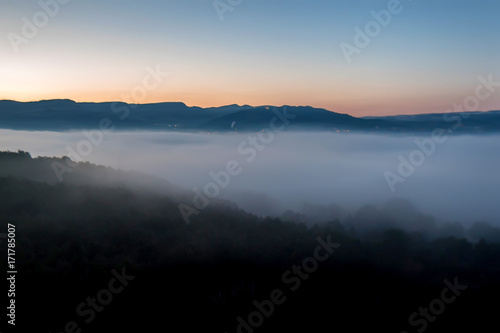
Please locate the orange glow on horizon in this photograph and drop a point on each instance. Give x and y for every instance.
(372, 105)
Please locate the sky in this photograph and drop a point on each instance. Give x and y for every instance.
(425, 56)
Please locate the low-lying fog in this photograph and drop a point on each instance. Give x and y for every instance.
(457, 180)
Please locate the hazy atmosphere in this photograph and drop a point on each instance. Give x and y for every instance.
(458, 182)
(249, 166)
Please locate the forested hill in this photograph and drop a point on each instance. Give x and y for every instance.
(74, 176)
(54, 170)
(203, 276)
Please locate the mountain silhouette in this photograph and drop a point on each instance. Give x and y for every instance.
(64, 115)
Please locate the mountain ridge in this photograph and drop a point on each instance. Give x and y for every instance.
(66, 115)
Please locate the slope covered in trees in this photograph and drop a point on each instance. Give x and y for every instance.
(73, 238)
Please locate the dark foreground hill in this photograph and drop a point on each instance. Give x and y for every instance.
(104, 258)
(66, 115)
(54, 170)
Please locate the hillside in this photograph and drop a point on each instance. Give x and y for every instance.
(205, 275)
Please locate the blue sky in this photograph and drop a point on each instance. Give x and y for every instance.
(264, 52)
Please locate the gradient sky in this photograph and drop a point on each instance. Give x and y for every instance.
(264, 52)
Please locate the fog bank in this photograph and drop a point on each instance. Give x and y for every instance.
(456, 181)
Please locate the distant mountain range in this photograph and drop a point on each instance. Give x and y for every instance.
(65, 115)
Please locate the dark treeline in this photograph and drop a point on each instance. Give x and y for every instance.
(203, 276)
